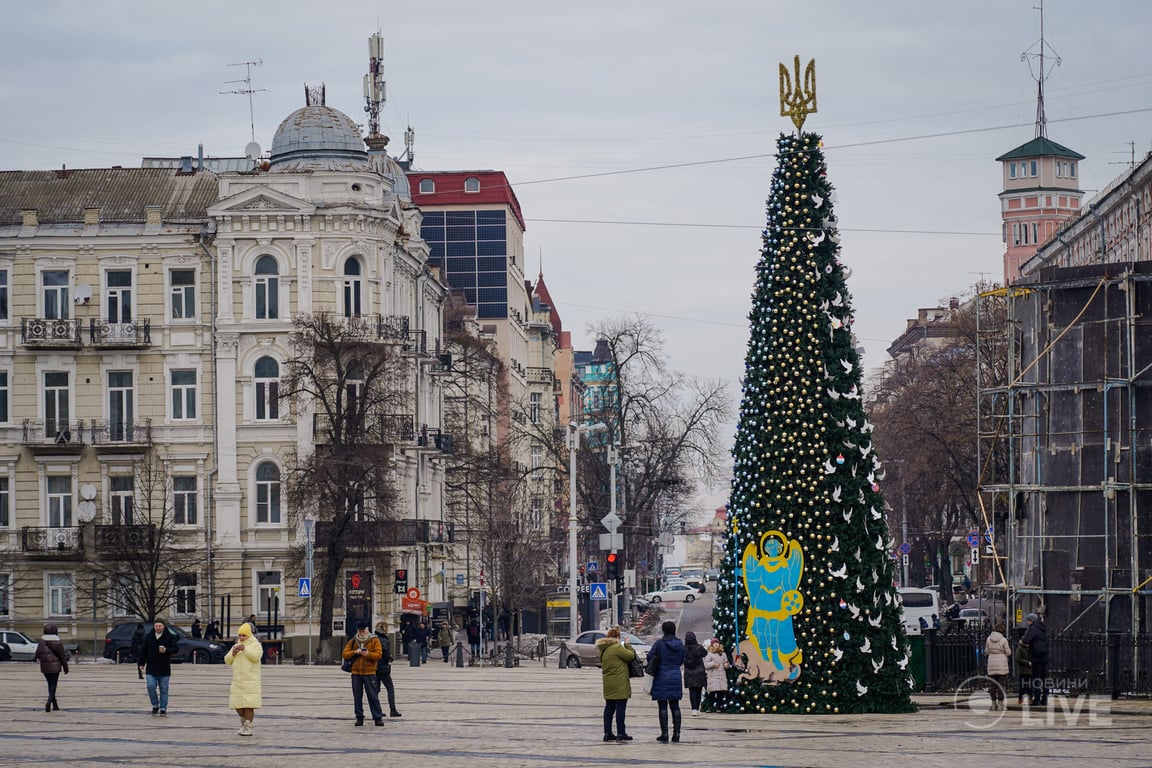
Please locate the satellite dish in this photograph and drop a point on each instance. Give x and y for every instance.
(252, 151)
(86, 511)
(83, 293)
(87, 491)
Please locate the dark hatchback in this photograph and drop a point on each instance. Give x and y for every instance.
(118, 646)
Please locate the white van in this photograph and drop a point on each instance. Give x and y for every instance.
(917, 603)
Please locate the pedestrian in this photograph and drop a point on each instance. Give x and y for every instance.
(695, 676)
(159, 647)
(445, 638)
(716, 668)
(244, 695)
(474, 638)
(213, 631)
(384, 669)
(424, 635)
(664, 661)
(53, 660)
(138, 648)
(364, 650)
(197, 632)
(998, 651)
(1023, 673)
(615, 658)
(1036, 638)
(251, 621)
(408, 639)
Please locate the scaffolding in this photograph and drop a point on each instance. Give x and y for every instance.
(1065, 443)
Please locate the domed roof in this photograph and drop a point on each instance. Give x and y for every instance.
(318, 137)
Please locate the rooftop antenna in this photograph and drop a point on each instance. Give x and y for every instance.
(1131, 154)
(247, 90)
(374, 92)
(1038, 53)
(409, 145)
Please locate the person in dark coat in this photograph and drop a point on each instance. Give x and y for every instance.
(664, 662)
(160, 646)
(138, 648)
(1035, 639)
(384, 668)
(196, 629)
(695, 676)
(53, 660)
(213, 631)
(474, 638)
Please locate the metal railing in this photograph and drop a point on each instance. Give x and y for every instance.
(137, 333)
(50, 332)
(59, 542)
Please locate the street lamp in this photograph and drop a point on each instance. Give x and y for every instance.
(574, 432)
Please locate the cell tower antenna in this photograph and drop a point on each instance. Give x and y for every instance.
(1038, 53)
(375, 93)
(409, 145)
(247, 90)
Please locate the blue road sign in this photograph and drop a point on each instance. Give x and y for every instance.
(988, 534)
(973, 538)
(305, 588)
(459, 579)
(593, 566)
(598, 590)
(905, 548)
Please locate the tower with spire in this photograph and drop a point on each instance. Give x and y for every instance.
(1041, 182)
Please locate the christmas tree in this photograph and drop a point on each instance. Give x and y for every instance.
(807, 593)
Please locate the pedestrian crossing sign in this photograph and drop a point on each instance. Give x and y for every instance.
(598, 590)
(305, 588)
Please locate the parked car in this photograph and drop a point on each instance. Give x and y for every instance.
(5, 652)
(20, 646)
(972, 618)
(673, 593)
(118, 646)
(713, 574)
(583, 652)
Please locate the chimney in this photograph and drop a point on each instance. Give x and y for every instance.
(29, 217)
(91, 217)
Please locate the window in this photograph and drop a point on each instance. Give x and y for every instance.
(119, 301)
(59, 501)
(1072, 170)
(1012, 170)
(3, 397)
(120, 407)
(61, 594)
(120, 499)
(56, 406)
(268, 493)
(57, 304)
(5, 515)
(184, 509)
(352, 289)
(5, 594)
(120, 595)
(537, 460)
(183, 294)
(1035, 234)
(3, 294)
(183, 395)
(427, 186)
(1032, 168)
(185, 585)
(267, 377)
(471, 184)
(268, 592)
(534, 407)
(267, 289)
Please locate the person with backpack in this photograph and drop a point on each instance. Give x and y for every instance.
(384, 668)
(1035, 639)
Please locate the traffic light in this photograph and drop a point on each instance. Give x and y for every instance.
(401, 581)
(613, 569)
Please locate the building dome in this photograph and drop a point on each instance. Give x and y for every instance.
(318, 137)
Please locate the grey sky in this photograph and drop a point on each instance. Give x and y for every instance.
(548, 90)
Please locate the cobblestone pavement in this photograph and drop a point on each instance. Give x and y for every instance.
(504, 718)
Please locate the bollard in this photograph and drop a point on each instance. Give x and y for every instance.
(414, 653)
(509, 659)
(459, 654)
(929, 660)
(563, 654)
(1113, 662)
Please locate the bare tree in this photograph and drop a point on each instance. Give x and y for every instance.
(349, 374)
(145, 562)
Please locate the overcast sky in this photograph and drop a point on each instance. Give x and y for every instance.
(584, 105)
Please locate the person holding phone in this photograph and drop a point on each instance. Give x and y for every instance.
(159, 646)
(365, 651)
(244, 695)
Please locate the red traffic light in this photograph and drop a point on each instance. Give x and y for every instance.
(612, 557)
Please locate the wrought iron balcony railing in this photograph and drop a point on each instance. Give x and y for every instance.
(50, 332)
(120, 335)
(53, 433)
(125, 541)
(369, 534)
(53, 542)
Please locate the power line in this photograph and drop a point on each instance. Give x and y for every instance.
(754, 226)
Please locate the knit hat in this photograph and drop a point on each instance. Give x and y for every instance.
(1032, 618)
(245, 629)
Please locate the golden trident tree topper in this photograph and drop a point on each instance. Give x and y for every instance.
(798, 100)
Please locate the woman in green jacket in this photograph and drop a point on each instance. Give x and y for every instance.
(614, 659)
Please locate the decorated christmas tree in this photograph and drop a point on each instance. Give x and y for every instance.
(806, 596)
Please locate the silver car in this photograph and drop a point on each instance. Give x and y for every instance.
(584, 652)
(23, 648)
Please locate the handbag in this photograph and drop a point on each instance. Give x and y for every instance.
(635, 668)
(346, 666)
(648, 679)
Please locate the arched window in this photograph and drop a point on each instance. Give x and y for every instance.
(267, 378)
(471, 184)
(267, 289)
(268, 493)
(427, 186)
(353, 289)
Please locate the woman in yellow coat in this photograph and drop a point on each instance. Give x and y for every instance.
(244, 658)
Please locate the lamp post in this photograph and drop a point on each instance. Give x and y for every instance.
(574, 432)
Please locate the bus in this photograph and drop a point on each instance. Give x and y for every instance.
(916, 604)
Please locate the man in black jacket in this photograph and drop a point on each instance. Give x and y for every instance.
(384, 668)
(159, 647)
(1036, 639)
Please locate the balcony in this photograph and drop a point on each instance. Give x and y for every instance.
(540, 376)
(52, 543)
(54, 436)
(51, 333)
(131, 335)
(120, 435)
(431, 438)
(376, 534)
(124, 542)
